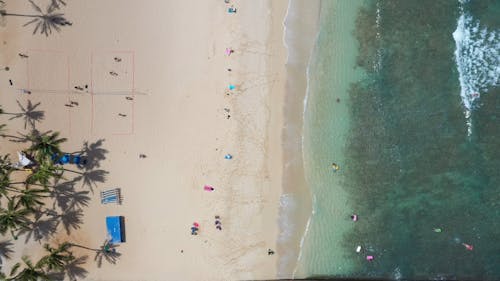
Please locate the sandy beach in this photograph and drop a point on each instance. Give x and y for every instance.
(170, 61)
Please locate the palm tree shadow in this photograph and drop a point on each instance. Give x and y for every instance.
(5, 250)
(90, 178)
(41, 228)
(29, 113)
(66, 197)
(55, 4)
(56, 275)
(48, 21)
(74, 269)
(71, 219)
(20, 138)
(94, 153)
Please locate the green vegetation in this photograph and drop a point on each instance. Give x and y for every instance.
(38, 199)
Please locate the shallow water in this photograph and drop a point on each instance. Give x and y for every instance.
(416, 135)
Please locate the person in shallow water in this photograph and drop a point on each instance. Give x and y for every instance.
(335, 167)
(468, 247)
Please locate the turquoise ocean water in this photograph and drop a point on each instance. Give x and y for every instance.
(405, 97)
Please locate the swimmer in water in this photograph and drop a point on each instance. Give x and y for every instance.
(468, 247)
(335, 167)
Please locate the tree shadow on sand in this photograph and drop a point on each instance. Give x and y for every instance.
(41, 228)
(6, 250)
(74, 269)
(30, 114)
(44, 21)
(71, 219)
(89, 173)
(66, 197)
(94, 154)
(91, 178)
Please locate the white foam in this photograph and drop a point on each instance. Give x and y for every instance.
(302, 239)
(377, 65)
(477, 56)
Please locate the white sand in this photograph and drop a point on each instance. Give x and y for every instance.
(174, 65)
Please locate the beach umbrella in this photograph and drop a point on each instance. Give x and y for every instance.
(23, 160)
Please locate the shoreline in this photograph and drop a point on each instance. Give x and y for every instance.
(300, 30)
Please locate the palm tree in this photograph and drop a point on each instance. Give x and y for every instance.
(30, 199)
(43, 174)
(4, 181)
(45, 145)
(58, 257)
(13, 219)
(29, 273)
(44, 22)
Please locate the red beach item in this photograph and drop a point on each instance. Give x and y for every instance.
(468, 247)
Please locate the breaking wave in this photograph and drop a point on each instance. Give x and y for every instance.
(477, 56)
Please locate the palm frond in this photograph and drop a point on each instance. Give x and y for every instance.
(15, 268)
(35, 6)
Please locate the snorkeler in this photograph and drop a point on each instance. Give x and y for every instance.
(335, 167)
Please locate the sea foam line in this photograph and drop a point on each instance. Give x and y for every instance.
(288, 201)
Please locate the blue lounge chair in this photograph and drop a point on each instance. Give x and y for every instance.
(64, 159)
(115, 229)
(228, 156)
(77, 159)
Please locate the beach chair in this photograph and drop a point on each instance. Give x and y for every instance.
(64, 159)
(60, 159)
(76, 159)
(115, 227)
(111, 196)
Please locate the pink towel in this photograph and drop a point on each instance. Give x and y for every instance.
(208, 188)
